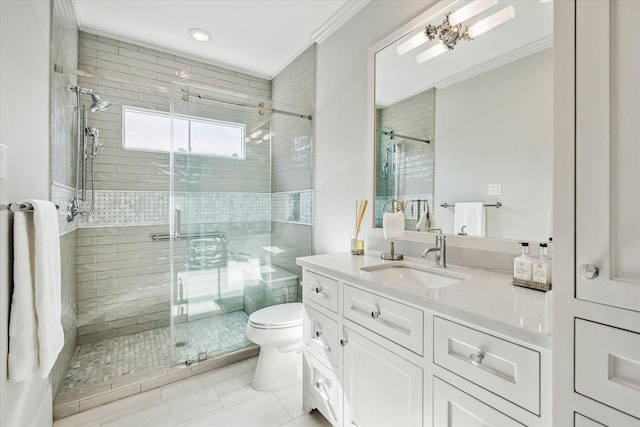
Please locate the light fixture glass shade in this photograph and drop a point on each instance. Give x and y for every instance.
(412, 43)
(470, 10)
(432, 52)
(491, 22)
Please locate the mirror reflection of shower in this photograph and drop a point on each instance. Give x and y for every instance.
(84, 152)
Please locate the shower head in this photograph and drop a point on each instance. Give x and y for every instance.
(99, 105)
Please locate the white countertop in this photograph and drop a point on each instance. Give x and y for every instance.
(487, 300)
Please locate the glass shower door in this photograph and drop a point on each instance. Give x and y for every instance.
(221, 219)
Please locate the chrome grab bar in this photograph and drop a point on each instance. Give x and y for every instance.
(177, 225)
(188, 236)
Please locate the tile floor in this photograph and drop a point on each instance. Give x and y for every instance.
(135, 354)
(222, 397)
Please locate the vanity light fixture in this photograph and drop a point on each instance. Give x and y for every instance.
(449, 34)
(451, 22)
(200, 35)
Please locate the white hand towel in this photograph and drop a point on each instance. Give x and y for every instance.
(471, 215)
(393, 224)
(424, 222)
(37, 294)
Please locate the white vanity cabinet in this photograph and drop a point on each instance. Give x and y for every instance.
(453, 407)
(598, 309)
(380, 387)
(383, 361)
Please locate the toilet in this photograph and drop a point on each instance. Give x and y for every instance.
(278, 331)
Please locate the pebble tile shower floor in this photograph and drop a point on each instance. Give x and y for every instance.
(138, 353)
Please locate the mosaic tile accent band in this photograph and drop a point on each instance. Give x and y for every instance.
(135, 208)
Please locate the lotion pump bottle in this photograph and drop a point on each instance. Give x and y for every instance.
(523, 265)
(542, 266)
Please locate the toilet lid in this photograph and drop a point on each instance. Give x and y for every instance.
(281, 315)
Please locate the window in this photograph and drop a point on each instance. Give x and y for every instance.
(150, 130)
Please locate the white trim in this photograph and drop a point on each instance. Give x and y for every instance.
(338, 19)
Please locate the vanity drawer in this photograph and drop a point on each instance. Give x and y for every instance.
(607, 365)
(395, 321)
(322, 385)
(504, 368)
(320, 289)
(321, 334)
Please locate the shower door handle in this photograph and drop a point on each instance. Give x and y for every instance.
(178, 226)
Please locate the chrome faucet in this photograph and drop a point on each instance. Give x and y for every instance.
(440, 249)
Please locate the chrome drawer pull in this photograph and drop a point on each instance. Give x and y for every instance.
(317, 289)
(318, 333)
(343, 342)
(375, 314)
(476, 358)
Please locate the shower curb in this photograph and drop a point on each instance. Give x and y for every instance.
(89, 397)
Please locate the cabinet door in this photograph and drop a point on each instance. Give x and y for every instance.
(608, 152)
(454, 408)
(381, 388)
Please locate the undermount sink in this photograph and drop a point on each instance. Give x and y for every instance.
(403, 272)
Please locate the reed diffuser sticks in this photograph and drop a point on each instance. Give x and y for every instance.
(357, 242)
(361, 208)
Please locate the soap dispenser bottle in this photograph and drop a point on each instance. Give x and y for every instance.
(523, 265)
(542, 266)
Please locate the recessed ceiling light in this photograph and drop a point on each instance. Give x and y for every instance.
(200, 35)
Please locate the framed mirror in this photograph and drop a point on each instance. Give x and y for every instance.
(463, 119)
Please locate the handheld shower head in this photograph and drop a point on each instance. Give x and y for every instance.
(95, 134)
(99, 105)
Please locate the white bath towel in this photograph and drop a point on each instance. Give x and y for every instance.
(470, 215)
(35, 329)
(393, 224)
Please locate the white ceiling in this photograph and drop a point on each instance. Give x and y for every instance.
(259, 37)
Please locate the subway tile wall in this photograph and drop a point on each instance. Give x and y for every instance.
(122, 275)
(293, 145)
(415, 117)
(292, 170)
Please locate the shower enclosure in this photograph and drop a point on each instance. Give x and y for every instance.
(225, 262)
(198, 226)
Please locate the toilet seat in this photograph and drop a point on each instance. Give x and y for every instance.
(277, 316)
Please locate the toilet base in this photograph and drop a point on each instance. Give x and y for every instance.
(277, 370)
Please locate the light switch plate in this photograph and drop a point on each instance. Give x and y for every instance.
(495, 189)
(3, 161)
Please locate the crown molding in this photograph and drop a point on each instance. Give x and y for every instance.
(338, 19)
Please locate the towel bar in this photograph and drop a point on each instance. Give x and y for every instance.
(486, 205)
(15, 207)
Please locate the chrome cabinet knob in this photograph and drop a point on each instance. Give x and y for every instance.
(318, 333)
(375, 314)
(588, 271)
(476, 358)
(317, 289)
(343, 342)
